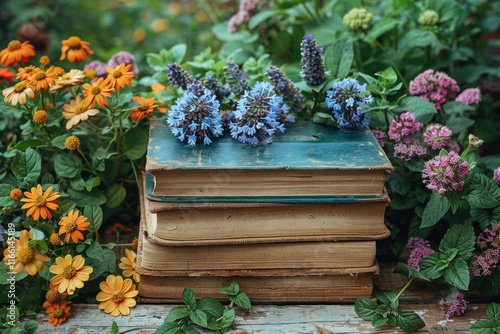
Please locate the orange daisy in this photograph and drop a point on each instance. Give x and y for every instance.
(24, 73)
(70, 273)
(117, 295)
(96, 92)
(18, 93)
(53, 296)
(77, 49)
(24, 256)
(39, 203)
(6, 74)
(16, 52)
(71, 225)
(118, 227)
(58, 312)
(127, 264)
(76, 112)
(43, 79)
(146, 108)
(120, 76)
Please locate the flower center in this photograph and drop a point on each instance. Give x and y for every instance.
(53, 296)
(20, 86)
(69, 272)
(58, 313)
(14, 45)
(143, 107)
(74, 42)
(71, 227)
(80, 110)
(118, 296)
(26, 255)
(39, 201)
(96, 90)
(66, 76)
(40, 75)
(28, 70)
(117, 74)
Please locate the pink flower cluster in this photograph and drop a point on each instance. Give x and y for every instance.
(435, 87)
(419, 248)
(445, 173)
(489, 243)
(379, 135)
(457, 306)
(416, 242)
(470, 96)
(496, 175)
(437, 136)
(401, 131)
(246, 12)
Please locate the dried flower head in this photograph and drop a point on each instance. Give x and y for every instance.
(313, 70)
(475, 141)
(16, 194)
(72, 143)
(40, 117)
(55, 240)
(444, 173)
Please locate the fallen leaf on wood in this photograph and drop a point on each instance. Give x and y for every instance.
(322, 330)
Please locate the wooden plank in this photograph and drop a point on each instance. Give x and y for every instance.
(262, 319)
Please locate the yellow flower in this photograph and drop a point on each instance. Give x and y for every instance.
(72, 143)
(16, 194)
(76, 112)
(18, 93)
(55, 240)
(90, 73)
(39, 203)
(70, 273)
(59, 71)
(71, 225)
(72, 78)
(117, 295)
(24, 256)
(97, 92)
(128, 265)
(44, 60)
(120, 76)
(76, 48)
(40, 117)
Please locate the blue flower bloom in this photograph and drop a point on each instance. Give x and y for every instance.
(196, 117)
(346, 98)
(286, 88)
(236, 79)
(178, 76)
(258, 115)
(313, 69)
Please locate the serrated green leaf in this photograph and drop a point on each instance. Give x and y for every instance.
(242, 300)
(378, 320)
(460, 237)
(483, 327)
(27, 166)
(31, 326)
(457, 274)
(365, 308)
(493, 311)
(231, 290)
(229, 316)
(409, 321)
(177, 313)
(212, 307)
(435, 209)
(189, 298)
(339, 57)
(428, 266)
(482, 199)
(408, 271)
(199, 317)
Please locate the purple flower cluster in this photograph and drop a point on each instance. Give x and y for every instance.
(435, 87)
(470, 96)
(437, 136)
(179, 77)
(456, 306)
(379, 135)
(496, 175)
(444, 173)
(416, 242)
(99, 67)
(402, 129)
(313, 69)
(245, 13)
(489, 243)
(236, 79)
(124, 57)
(219, 90)
(419, 248)
(286, 88)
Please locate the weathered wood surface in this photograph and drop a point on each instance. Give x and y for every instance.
(263, 319)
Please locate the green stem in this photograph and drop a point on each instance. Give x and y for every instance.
(393, 64)
(132, 162)
(396, 37)
(119, 148)
(86, 161)
(45, 138)
(403, 289)
(386, 120)
(43, 99)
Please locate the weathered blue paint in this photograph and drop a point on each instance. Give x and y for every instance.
(304, 146)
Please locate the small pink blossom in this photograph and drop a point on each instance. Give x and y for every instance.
(417, 254)
(456, 306)
(415, 242)
(445, 173)
(470, 96)
(435, 87)
(379, 135)
(437, 136)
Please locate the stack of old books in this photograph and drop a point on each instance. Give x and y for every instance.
(293, 221)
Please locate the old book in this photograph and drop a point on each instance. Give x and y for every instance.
(212, 223)
(308, 160)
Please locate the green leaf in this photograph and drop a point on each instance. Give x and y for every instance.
(365, 308)
(186, 329)
(231, 290)
(324, 118)
(135, 143)
(92, 183)
(178, 52)
(177, 313)
(435, 209)
(37, 234)
(449, 254)
(67, 165)
(31, 326)
(424, 111)
(455, 200)
(5, 199)
(242, 300)
(155, 61)
(457, 108)
(262, 16)
(229, 316)
(199, 317)
(460, 237)
(85, 198)
(106, 265)
(339, 57)
(189, 298)
(409, 321)
(388, 77)
(408, 271)
(116, 195)
(386, 297)
(23, 145)
(493, 311)
(60, 141)
(94, 215)
(459, 123)
(428, 266)
(27, 166)
(211, 306)
(482, 199)
(378, 320)
(418, 37)
(457, 274)
(381, 27)
(95, 251)
(483, 327)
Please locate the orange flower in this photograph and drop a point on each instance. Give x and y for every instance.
(118, 227)
(146, 108)
(16, 52)
(72, 225)
(39, 203)
(96, 92)
(24, 256)
(43, 79)
(6, 74)
(76, 112)
(58, 312)
(127, 264)
(18, 93)
(24, 73)
(157, 87)
(44, 60)
(120, 76)
(53, 296)
(76, 48)
(70, 273)
(117, 295)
